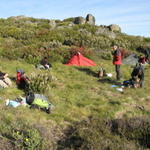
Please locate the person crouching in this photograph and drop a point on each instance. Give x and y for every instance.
(138, 76)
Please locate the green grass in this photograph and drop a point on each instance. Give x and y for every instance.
(76, 95)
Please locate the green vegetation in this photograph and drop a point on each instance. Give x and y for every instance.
(85, 107)
(76, 94)
(30, 38)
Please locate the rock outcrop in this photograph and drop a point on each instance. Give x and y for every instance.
(79, 20)
(52, 23)
(114, 28)
(18, 17)
(90, 19)
(105, 31)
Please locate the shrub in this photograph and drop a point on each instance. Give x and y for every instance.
(106, 55)
(137, 129)
(29, 138)
(39, 83)
(22, 136)
(94, 134)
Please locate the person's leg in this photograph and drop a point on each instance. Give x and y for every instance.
(117, 67)
(8, 81)
(141, 82)
(3, 84)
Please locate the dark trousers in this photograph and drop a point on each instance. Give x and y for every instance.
(117, 69)
(141, 82)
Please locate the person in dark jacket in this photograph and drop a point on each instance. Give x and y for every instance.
(117, 60)
(44, 62)
(138, 76)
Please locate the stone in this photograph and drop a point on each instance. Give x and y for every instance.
(52, 23)
(90, 19)
(105, 31)
(114, 28)
(79, 20)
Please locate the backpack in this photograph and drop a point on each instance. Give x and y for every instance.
(42, 105)
(101, 72)
(128, 83)
(30, 98)
(38, 101)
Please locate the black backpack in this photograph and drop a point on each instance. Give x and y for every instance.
(30, 98)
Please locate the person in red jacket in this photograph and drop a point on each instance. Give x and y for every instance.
(22, 80)
(117, 60)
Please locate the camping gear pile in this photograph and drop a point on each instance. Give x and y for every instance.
(102, 73)
(118, 87)
(32, 100)
(39, 101)
(136, 80)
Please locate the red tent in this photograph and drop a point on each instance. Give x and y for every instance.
(79, 60)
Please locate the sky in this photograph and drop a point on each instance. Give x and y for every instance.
(133, 16)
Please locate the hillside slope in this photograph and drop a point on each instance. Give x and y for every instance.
(76, 95)
(88, 113)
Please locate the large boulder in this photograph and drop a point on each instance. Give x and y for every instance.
(90, 19)
(79, 20)
(114, 28)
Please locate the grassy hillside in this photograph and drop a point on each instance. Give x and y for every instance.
(76, 95)
(31, 38)
(88, 113)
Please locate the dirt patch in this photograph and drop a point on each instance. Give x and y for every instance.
(6, 144)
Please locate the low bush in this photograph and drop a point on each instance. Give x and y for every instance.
(39, 83)
(22, 136)
(94, 134)
(137, 129)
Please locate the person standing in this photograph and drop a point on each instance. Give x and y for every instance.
(117, 60)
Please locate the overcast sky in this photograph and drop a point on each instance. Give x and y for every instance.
(133, 16)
